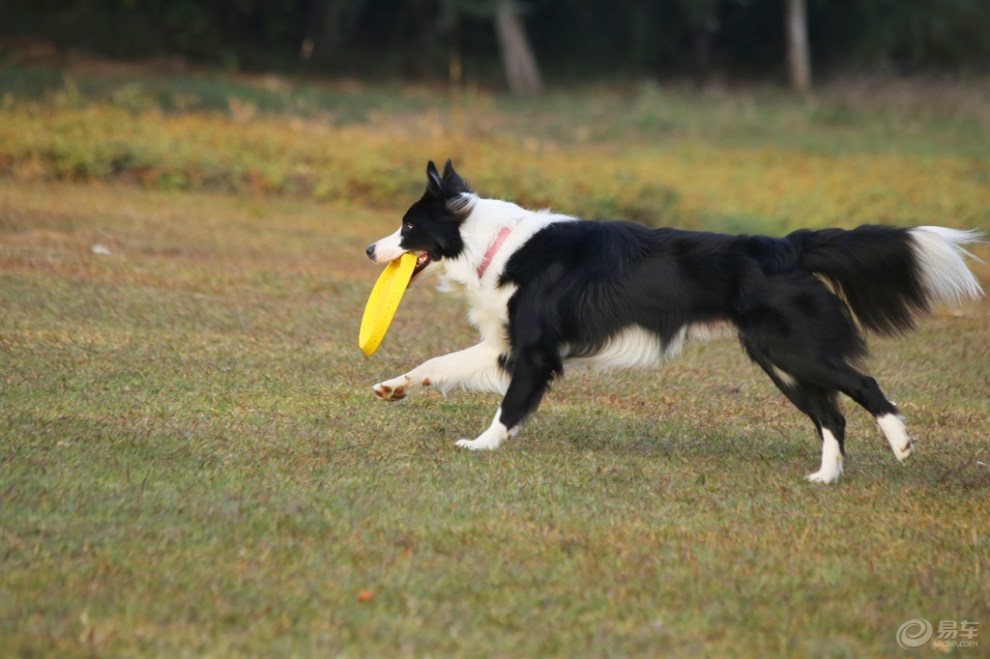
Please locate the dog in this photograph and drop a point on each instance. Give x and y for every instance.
(548, 292)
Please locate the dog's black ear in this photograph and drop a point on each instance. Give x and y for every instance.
(453, 184)
(433, 183)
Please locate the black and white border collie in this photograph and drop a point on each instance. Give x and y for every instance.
(547, 292)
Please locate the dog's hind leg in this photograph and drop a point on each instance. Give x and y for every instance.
(475, 369)
(823, 409)
(831, 426)
(532, 371)
(864, 390)
(840, 376)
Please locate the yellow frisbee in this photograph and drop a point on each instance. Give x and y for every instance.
(384, 301)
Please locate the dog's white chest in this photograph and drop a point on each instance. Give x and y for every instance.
(488, 311)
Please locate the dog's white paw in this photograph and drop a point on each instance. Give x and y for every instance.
(904, 452)
(394, 389)
(481, 444)
(489, 440)
(825, 476)
(900, 442)
(492, 438)
(831, 467)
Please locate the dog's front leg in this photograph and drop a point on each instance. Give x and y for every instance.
(531, 374)
(474, 369)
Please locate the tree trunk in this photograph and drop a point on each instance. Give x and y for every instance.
(798, 55)
(521, 70)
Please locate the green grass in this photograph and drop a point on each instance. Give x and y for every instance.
(662, 156)
(192, 462)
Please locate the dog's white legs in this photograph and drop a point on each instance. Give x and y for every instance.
(831, 460)
(474, 369)
(900, 442)
(492, 438)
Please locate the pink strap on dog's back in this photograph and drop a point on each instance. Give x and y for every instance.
(493, 250)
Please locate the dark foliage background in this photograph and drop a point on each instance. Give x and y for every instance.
(422, 39)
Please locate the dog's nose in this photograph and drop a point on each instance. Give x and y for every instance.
(370, 251)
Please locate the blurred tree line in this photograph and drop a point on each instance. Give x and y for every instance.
(524, 40)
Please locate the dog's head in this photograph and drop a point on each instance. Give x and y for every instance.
(431, 226)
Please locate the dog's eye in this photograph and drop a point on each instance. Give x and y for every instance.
(407, 226)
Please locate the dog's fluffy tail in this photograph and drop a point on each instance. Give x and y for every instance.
(890, 275)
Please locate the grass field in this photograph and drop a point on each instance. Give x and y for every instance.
(192, 462)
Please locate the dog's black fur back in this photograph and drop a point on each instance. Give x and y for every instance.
(584, 281)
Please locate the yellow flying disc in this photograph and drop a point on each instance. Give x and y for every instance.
(384, 301)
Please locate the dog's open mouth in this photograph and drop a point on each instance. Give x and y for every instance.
(422, 260)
